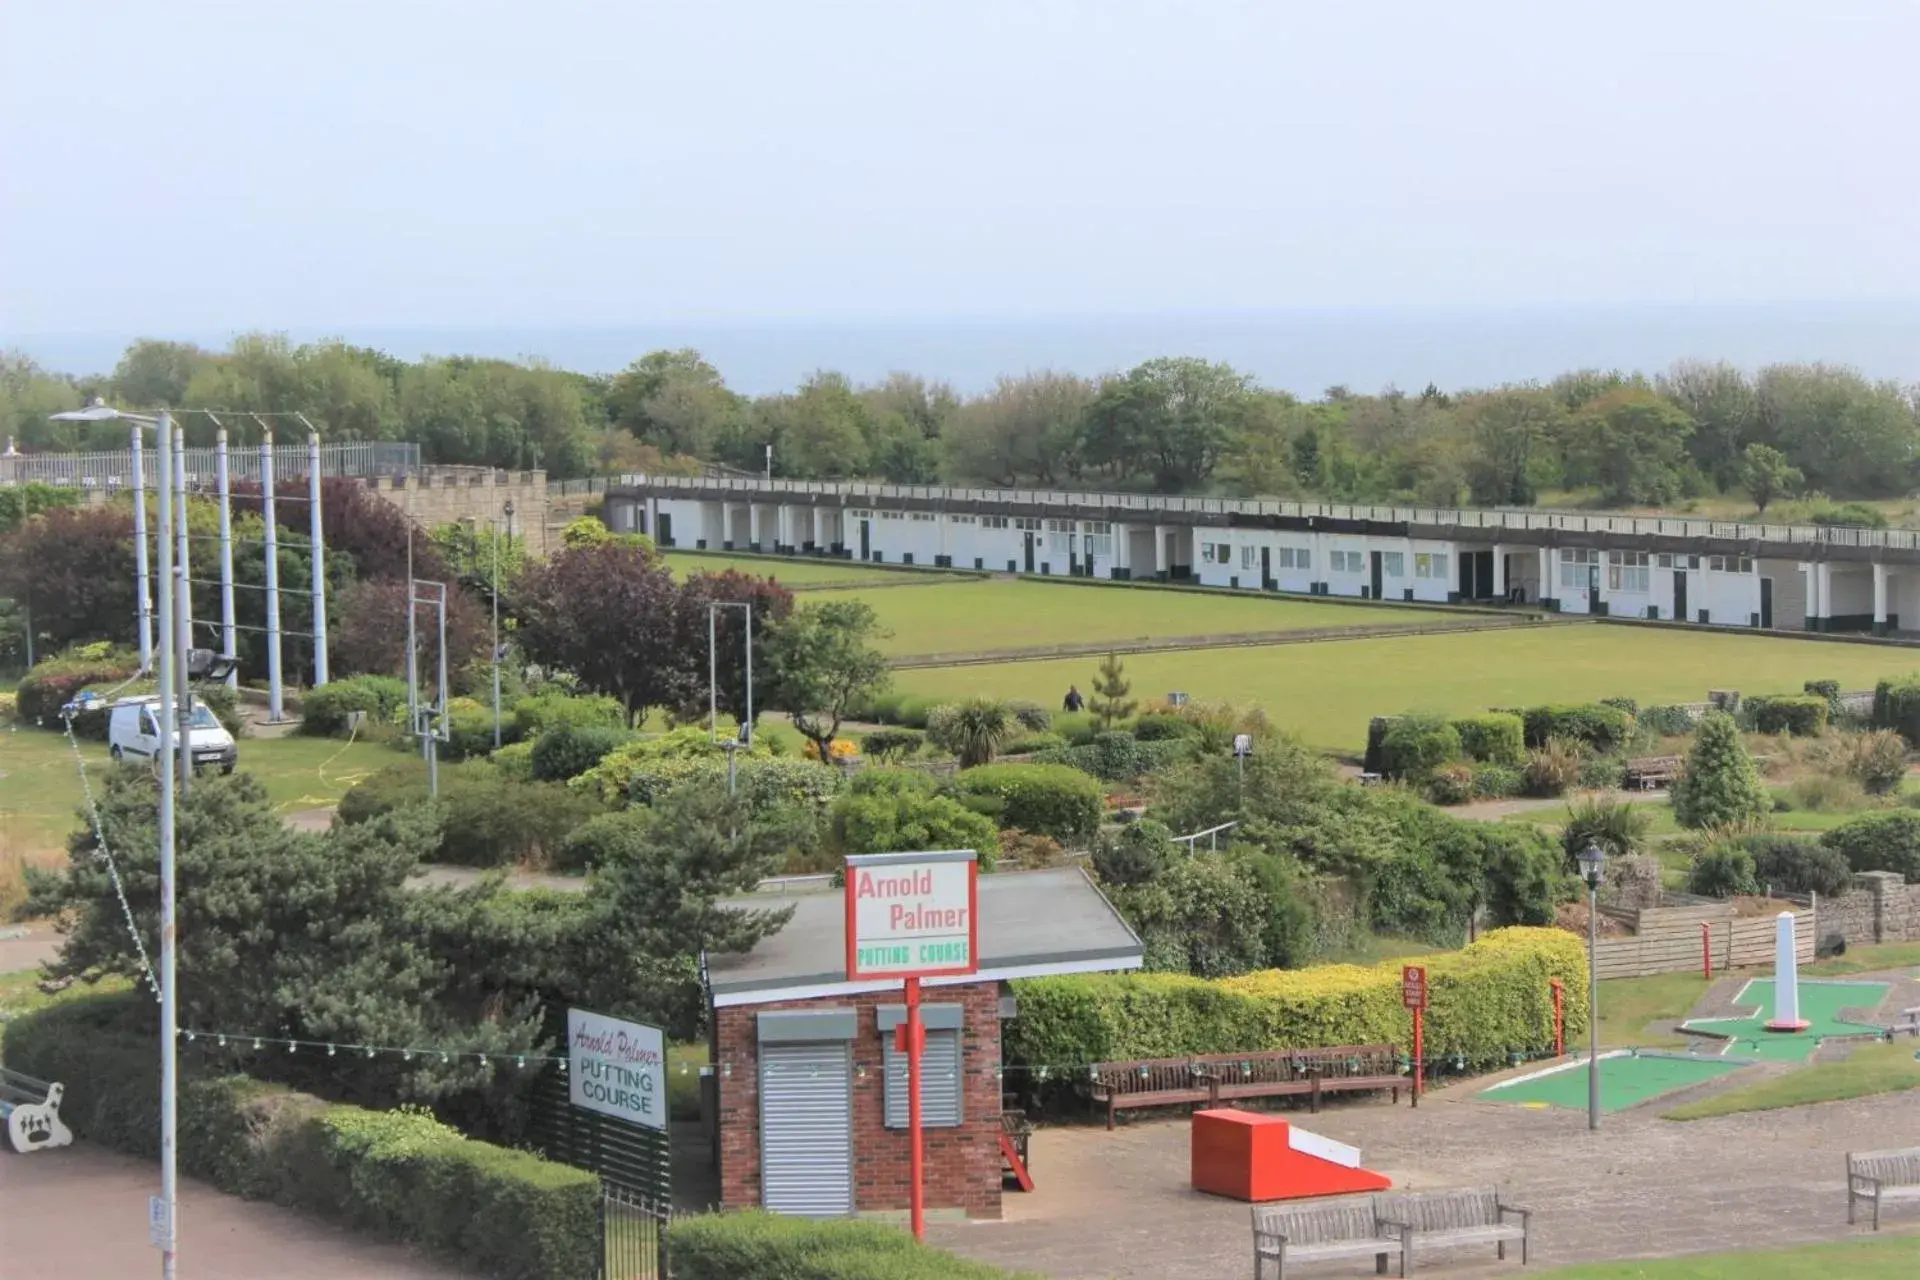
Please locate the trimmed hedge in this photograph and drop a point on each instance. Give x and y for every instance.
(1118, 756)
(1044, 799)
(1802, 715)
(1601, 727)
(1896, 706)
(52, 682)
(401, 1173)
(1494, 737)
(1485, 1002)
(762, 1246)
(544, 712)
(1415, 745)
(324, 711)
(1799, 865)
(1880, 842)
(566, 751)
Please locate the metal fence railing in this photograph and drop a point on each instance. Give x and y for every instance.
(113, 468)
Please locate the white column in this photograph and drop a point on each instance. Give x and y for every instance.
(1823, 577)
(1319, 557)
(229, 635)
(1160, 566)
(1122, 553)
(276, 704)
(753, 525)
(317, 537)
(1879, 597)
(1546, 588)
(140, 573)
(1499, 571)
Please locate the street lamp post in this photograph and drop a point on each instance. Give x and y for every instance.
(494, 529)
(745, 736)
(1593, 861)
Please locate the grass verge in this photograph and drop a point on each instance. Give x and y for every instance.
(1868, 1070)
(1884, 1258)
(1628, 1007)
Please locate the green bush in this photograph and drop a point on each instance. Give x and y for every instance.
(484, 1208)
(890, 745)
(1802, 715)
(325, 712)
(907, 709)
(54, 681)
(752, 1245)
(536, 715)
(1828, 690)
(1603, 773)
(1485, 1002)
(762, 780)
(1045, 799)
(1896, 706)
(1136, 855)
(1451, 784)
(1880, 842)
(470, 731)
(1033, 717)
(1118, 756)
(1160, 726)
(1497, 782)
(1618, 827)
(1552, 769)
(1416, 745)
(1877, 760)
(1720, 787)
(1798, 865)
(1077, 727)
(1034, 743)
(1721, 871)
(1599, 727)
(566, 751)
(382, 791)
(1494, 737)
(1628, 705)
(495, 821)
(1667, 722)
(896, 811)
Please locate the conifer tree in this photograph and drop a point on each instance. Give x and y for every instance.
(1721, 786)
(1110, 688)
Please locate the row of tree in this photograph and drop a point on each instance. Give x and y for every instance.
(1171, 424)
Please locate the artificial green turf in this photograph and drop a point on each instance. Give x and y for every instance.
(980, 617)
(1869, 1069)
(1328, 690)
(1821, 1004)
(799, 572)
(1624, 1081)
(1885, 1257)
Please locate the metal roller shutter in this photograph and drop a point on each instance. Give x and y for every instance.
(806, 1129)
(939, 1082)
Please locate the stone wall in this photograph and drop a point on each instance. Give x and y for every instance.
(447, 495)
(1882, 907)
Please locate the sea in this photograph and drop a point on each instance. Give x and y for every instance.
(1305, 352)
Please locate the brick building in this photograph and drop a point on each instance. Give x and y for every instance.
(811, 1095)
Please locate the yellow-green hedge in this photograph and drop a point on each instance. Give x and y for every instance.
(1486, 1002)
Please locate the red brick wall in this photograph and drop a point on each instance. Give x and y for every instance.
(962, 1164)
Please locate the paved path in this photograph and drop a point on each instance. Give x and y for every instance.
(80, 1213)
(39, 946)
(1118, 1204)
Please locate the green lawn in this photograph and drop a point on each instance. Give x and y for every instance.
(799, 572)
(1327, 691)
(1377, 950)
(976, 616)
(1870, 1069)
(1629, 1005)
(1886, 1257)
(1868, 959)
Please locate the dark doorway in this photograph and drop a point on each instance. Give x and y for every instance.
(1375, 593)
(1766, 602)
(1266, 569)
(866, 539)
(666, 529)
(1593, 588)
(1679, 596)
(1029, 551)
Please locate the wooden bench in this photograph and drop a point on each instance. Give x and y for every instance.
(1146, 1082)
(1882, 1177)
(1909, 1023)
(31, 1109)
(1650, 772)
(1323, 1231)
(1467, 1217)
(1016, 1135)
(1312, 1072)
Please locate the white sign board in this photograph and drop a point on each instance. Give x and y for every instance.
(159, 1223)
(912, 914)
(617, 1068)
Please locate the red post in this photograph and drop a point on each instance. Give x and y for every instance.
(1419, 1050)
(917, 1199)
(1559, 1018)
(1413, 994)
(1706, 950)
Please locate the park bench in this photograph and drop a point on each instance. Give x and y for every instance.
(31, 1109)
(1465, 1217)
(1146, 1082)
(1312, 1072)
(1016, 1135)
(1882, 1177)
(1646, 773)
(1324, 1231)
(1909, 1023)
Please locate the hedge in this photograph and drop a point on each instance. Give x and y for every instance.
(536, 715)
(566, 751)
(1043, 799)
(1117, 756)
(1880, 842)
(1896, 705)
(1415, 745)
(1600, 727)
(762, 1246)
(51, 684)
(1802, 715)
(403, 1174)
(1494, 737)
(1486, 1001)
(326, 710)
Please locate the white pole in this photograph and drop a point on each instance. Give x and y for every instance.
(319, 550)
(275, 700)
(169, 1004)
(140, 549)
(229, 637)
(182, 608)
(1593, 1003)
(1786, 978)
(493, 533)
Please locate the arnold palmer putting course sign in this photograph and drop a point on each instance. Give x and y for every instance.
(913, 914)
(617, 1068)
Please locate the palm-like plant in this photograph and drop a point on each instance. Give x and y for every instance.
(975, 730)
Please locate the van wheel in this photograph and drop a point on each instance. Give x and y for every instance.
(117, 754)
(226, 769)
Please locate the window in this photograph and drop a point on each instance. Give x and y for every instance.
(1096, 526)
(1028, 523)
(1303, 558)
(1099, 538)
(1393, 564)
(860, 515)
(993, 522)
(1576, 567)
(1284, 558)
(1430, 565)
(1060, 539)
(889, 515)
(1349, 562)
(1628, 571)
(942, 1076)
(1249, 557)
(922, 515)
(1730, 564)
(961, 519)
(1215, 553)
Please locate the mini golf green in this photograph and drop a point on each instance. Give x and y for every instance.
(1626, 1078)
(1820, 1005)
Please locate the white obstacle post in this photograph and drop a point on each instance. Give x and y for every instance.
(1786, 978)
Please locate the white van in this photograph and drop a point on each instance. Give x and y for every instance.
(133, 732)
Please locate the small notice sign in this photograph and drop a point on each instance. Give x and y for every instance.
(913, 914)
(159, 1223)
(617, 1068)
(1413, 986)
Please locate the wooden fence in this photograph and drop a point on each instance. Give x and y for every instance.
(1667, 940)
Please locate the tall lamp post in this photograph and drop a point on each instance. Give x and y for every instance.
(170, 655)
(745, 736)
(1593, 862)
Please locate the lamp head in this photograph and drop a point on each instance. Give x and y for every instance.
(1593, 861)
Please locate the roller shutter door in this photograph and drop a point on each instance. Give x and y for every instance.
(940, 1082)
(806, 1129)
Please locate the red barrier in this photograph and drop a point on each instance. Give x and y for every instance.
(1706, 950)
(1559, 1018)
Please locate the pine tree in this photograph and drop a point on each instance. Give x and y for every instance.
(1110, 688)
(1721, 786)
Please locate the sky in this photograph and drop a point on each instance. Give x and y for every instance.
(204, 164)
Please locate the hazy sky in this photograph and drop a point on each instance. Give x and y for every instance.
(231, 163)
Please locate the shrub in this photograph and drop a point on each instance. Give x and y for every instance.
(1599, 727)
(494, 821)
(542, 712)
(1494, 737)
(1628, 705)
(1720, 787)
(896, 810)
(486, 1209)
(326, 711)
(762, 780)
(566, 751)
(382, 791)
(1376, 737)
(470, 730)
(752, 1245)
(1603, 773)
(1029, 851)
(975, 730)
(1896, 706)
(1635, 882)
(1416, 745)
(1802, 715)
(1618, 827)
(1160, 726)
(1667, 722)
(889, 746)
(1798, 865)
(613, 777)
(1877, 760)
(1451, 784)
(1826, 689)
(1880, 842)
(1048, 799)
(1721, 871)
(1135, 856)
(1034, 743)
(1827, 793)
(1485, 1002)
(1553, 768)
(1033, 717)
(1204, 914)
(54, 681)
(1497, 782)
(514, 760)
(1077, 727)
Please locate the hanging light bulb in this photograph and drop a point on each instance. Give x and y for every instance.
(331, 1050)
(256, 1042)
(290, 1046)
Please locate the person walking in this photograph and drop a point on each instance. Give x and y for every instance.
(1073, 701)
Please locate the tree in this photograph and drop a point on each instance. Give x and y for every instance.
(153, 374)
(73, 568)
(1204, 914)
(1110, 688)
(673, 399)
(1024, 431)
(897, 810)
(1168, 420)
(1725, 412)
(1514, 444)
(608, 614)
(1721, 787)
(368, 631)
(906, 416)
(770, 604)
(975, 729)
(1849, 436)
(1766, 474)
(818, 432)
(821, 664)
(1632, 443)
